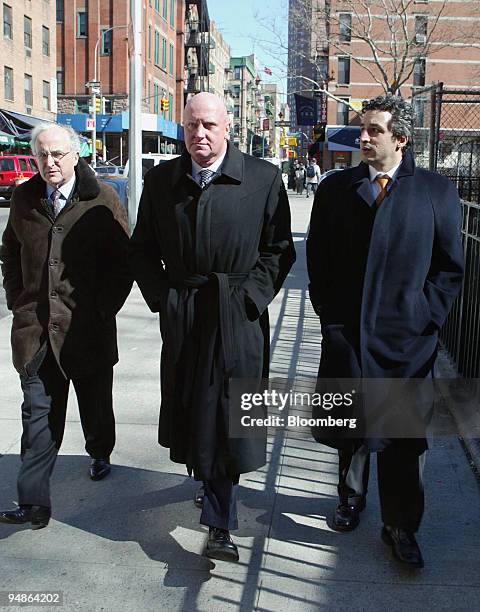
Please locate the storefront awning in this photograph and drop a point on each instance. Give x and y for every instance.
(343, 138)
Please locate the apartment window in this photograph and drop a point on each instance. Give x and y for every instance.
(156, 48)
(149, 43)
(172, 61)
(342, 113)
(81, 24)
(419, 72)
(8, 82)
(60, 81)
(60, 10)
(46, 95)
(157, 5)
(149, 94)
(345, 27)
(421, 28)
(106, 48)
(27, 31)
(343, 71)
(170, 107)
(237, 73)
(45, 40)
(172, 13)
(28, 89)
(7, 21)
(236, 111)
(164, 10)
(164, 53)
(156, 101)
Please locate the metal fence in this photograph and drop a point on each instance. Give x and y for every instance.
(447, 139)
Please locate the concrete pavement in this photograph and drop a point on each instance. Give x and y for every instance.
(133, 542)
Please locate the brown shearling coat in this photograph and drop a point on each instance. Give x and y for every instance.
(66, 279)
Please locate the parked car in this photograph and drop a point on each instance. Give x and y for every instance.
(149, 160)
(15, 169)
(120, 184)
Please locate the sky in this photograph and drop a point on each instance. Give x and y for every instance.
(249, 26)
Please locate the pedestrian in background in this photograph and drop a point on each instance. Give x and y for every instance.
(313, 176)
(66, 275)
(300, 178)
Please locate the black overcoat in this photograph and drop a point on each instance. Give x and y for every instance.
(383, 281)
(66, 278)
(210, 262)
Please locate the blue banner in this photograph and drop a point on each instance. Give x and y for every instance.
(307, 112)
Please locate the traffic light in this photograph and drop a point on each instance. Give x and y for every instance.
(164, 105)
(98, 105)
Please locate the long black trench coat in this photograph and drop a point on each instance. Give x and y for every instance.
(383, 281)
(210, 262)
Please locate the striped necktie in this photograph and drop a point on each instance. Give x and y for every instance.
(383, 182)
(205, 177)
(55, 202)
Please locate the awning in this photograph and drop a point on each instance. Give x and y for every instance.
(18, 124)
(343, 138)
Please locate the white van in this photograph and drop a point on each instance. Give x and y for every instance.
(151, 159)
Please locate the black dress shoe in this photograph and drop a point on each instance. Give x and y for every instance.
(199, 495)
(99, 468)
(346, 517)
(220, 545)
(404, 545)
(38, 516)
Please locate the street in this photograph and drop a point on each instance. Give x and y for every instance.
(133, 542)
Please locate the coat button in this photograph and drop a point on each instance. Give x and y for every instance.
(57, 228)
(54, 327)
(53, 262)
(53, 294)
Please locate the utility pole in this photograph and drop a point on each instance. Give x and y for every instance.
(135, 113)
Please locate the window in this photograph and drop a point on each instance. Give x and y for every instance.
(172, 13)
(45, 40)
(156, 49)
(156, 102)
(419, 72)
(237, 72)
(7, 164)
(170, 107)
(343, 71)
(157, 5)
(46, 95)
(7, 22)
(164, 10)
(172, 58)
(164, 53)
(27, 31)
(106, 48)
(149, 94)
(60, 81)
(60, 11)
(342, 113)
(8, 82)
(149, 43)
(22, 164)
(421, 28)
(345, 27)
(236, 111)
(81, 24)
(28, 89)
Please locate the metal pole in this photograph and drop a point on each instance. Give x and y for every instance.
(135, 117)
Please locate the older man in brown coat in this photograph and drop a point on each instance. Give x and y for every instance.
(66, 275)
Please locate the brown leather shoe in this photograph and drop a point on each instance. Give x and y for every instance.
(220, 545)
(404, 545)
(38, 516)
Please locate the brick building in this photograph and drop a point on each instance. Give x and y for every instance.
(28, 51)
(439, 42)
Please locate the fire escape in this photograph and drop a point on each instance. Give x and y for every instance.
(197, 47)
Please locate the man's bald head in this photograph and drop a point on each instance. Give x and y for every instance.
(206, 128)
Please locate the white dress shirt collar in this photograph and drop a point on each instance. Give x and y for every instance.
(196, 168)
(65, 189)
(391, 173)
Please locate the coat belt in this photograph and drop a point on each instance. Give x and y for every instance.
(224, 282)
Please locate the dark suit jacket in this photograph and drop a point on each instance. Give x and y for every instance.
(210, 262)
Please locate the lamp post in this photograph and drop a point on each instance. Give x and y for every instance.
(96, 88)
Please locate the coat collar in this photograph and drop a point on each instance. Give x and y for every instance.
(86, 184)
(232, 167)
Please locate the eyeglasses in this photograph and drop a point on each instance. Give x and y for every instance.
(56, 155)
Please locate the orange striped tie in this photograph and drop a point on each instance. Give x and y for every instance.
(383, 181)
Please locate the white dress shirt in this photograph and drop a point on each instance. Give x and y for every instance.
(65, 191)
(196, 169)
(374, 173)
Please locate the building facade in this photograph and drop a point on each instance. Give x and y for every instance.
(243, 86)
(29, 62)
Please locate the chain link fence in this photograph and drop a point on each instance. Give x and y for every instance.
(446, 139)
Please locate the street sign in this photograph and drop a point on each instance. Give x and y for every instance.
(92, 84)
(282, 123)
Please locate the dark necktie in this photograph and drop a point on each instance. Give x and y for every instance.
(383, 182)
(205, 177)
(55, 202)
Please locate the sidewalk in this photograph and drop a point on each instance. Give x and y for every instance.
(133, 542)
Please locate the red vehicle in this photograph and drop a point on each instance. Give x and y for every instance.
(15, 169)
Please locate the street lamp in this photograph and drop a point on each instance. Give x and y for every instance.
(95, 87)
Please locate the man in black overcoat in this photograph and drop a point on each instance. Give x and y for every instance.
(211, 248)
(385, 263)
